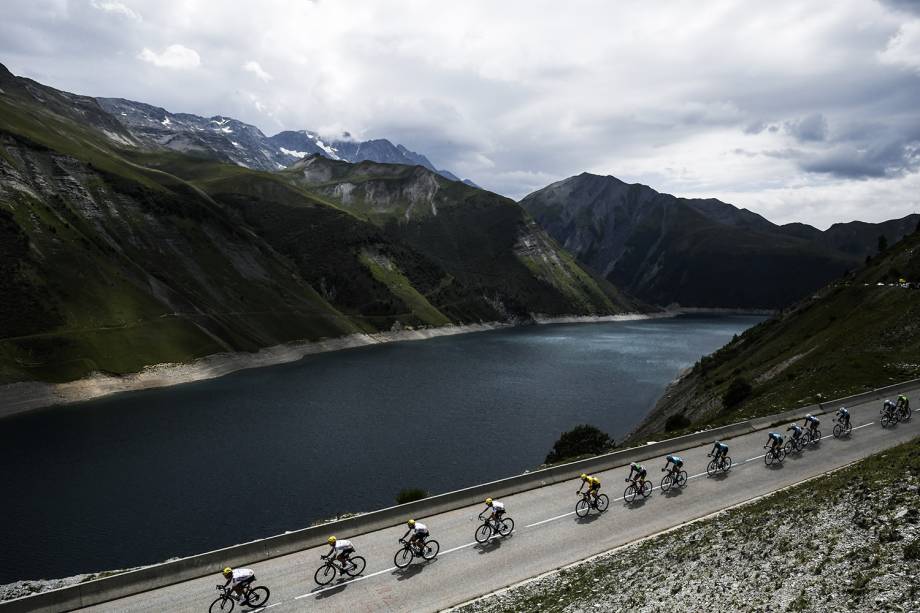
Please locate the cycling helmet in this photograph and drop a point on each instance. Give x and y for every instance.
(489, 501)
(584, 477)
(331, 540)
(228, 571)
(411, 523)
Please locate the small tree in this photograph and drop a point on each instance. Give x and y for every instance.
(410, 494)
(882, 243)
(678, 421)
(737, 391)
(580, 440)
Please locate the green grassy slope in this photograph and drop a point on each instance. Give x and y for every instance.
(115, 257)
(858, 333)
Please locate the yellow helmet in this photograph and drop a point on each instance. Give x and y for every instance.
(411, 522)
(489, 501)
(584, 477)
(228, 571)
(331, 540)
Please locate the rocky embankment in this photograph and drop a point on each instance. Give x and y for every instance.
(849, 541)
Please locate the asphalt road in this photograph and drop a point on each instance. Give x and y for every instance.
(547, 533)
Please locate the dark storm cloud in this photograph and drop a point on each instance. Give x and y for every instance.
(810, 128)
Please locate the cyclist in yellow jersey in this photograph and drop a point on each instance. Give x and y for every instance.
(593, 483)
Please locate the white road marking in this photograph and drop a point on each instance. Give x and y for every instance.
(546, 521)
(341, 583)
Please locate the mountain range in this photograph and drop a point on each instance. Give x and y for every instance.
(698, 252)
(124, 245)
(233, 141)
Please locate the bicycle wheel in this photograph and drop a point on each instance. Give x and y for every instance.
(907, 413)
(712, 467)
(431, 549)
(324, 574)
(782, 455)
(221, 605)
(768, 457)
(838, 431)
(726, 464)
(630, 494)
(582, 507)
(506, 527)
(848, 431)
(483, 533)
(646, 489)
(602, 502)
(257, 596)
(357, 566)
(790, 446)
(682, 478)
(403, 557)
(815, 438)
(885, 420)
(666, 482)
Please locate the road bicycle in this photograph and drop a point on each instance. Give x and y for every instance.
(721, 464)
(502, 527)
(634, 489)
(674, 477)
(904, 412)
(252, 596)
(842, 429)
(813, 437)
(588, 502)
(890, 417)
(774, 454)
(327, 572)
(796, 444)
(410, 551)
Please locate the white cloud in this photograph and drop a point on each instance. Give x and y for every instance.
(177, 57)
(118, 8)
(904, 47)
(254, 67)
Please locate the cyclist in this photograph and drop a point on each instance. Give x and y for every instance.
(888, 407)
(342, 549)
(237, 579)
(419, 533)
(593, 483)
(903, 403)
(774, 441)
(639, 471)
(796, 432)
(843, 416)
(719, 450)
(811, 422)
(497, 508)
(675, 460)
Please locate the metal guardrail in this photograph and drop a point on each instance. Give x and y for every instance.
(175, 571)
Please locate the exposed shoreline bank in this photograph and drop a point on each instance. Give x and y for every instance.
(17, 398)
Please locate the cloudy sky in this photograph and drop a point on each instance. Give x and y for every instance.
(799, 111)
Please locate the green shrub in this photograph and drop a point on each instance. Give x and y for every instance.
(410, 494)
(678, 421)
(580, 440)
(737, 391)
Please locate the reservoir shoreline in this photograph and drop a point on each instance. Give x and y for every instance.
(23, 397)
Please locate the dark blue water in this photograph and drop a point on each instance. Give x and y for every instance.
(140, 477)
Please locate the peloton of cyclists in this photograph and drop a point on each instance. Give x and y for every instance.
(593, 483)
(341, 549)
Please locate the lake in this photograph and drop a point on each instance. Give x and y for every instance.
(140, 477)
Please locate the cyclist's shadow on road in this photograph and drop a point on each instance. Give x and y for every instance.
(326, 592)
(635, 504)
(493, 544)
(674, 492)
(412, 570)
(720, 476)
(590, 518)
